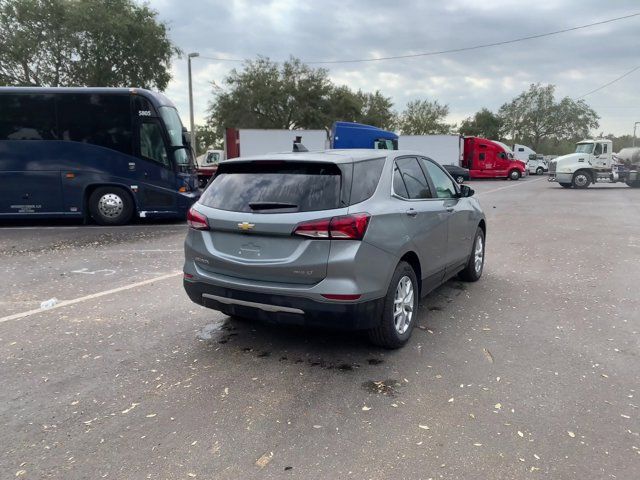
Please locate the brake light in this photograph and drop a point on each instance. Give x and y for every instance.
(347, 227)
(196, 220)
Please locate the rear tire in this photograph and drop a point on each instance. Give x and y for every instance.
(400, 309)
(473, 271)
(566, 185)
(514, 175)
(110, 206)
(581, 179)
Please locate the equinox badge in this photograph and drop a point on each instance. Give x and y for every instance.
(244, 226)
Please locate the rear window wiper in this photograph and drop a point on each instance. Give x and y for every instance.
(271, 205)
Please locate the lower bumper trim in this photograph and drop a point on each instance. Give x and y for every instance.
(262, 306)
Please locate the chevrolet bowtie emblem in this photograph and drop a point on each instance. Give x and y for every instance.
(246, 226)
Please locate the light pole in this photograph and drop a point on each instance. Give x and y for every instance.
(634, 132)
(192, 126)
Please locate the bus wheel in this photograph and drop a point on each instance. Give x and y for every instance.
(514, 175)
(110, 206)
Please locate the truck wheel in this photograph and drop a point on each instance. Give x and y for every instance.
(110, 206)
(581, 179)
(473, 271)
(514, 174)
(539, 171)
(460, 179)
(566, 185)
(400, 309)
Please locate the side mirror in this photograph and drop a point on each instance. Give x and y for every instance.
(466, 191)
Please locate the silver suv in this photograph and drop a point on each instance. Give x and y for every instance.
(341, 238)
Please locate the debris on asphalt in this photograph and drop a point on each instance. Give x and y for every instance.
(48, 303)
(488, 355)
(264, 460)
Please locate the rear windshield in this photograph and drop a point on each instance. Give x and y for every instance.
(274, 187)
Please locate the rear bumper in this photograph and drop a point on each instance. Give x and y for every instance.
(286, 309)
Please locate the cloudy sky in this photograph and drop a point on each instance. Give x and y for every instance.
(577, 62)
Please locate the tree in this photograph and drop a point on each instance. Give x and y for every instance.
(484, 123)
(207, 136)
(422, 117)
(534, 116)
(291, 95)
(110, 43)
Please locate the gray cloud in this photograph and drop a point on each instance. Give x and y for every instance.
(576, 62)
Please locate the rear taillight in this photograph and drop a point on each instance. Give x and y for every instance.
(347, 227)
(196, 220)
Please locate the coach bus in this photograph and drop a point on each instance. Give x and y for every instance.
(103, 153)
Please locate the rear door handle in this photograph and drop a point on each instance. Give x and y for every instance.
(411, 212)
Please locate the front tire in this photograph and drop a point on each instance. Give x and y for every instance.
(110, 206)
(459, 179)
(473, 271)
(514, 175)
(400, 309)
(581, 179)
(539, 171)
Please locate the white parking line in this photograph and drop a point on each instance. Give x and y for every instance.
(66, 303)
(512, 186)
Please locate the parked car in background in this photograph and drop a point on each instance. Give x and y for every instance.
(458, 173)
(536, 164)
(341, 238)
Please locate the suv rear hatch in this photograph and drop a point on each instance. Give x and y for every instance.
(252, 209)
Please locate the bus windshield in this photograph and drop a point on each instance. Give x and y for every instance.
(174, 129)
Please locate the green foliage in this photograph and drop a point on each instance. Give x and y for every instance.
(111, 43)
(422, 117)
(484, 123)
(207, 137)
(292, 95)
(534, 116)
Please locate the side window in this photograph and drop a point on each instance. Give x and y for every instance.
(366, 176)
(598, 149)
(152, 144)
(443, 184)
(520, 149)
(481, 157)
(27, 117)
(410, 175)
(605, 148)
(103, 120)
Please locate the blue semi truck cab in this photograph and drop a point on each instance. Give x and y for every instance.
(358, 135)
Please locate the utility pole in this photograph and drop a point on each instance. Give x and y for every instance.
(194, 145)
(634, 132)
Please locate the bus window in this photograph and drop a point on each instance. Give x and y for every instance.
(27, 117)
(152, 145)
(174, 128)
(103, 120)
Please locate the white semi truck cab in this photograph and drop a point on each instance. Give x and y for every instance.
(593, 161)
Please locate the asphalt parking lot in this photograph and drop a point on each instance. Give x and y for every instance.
(533, 372)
